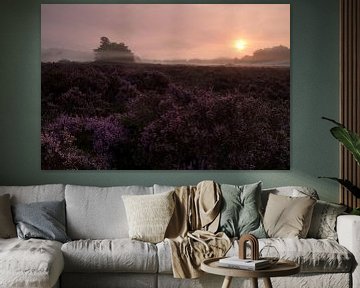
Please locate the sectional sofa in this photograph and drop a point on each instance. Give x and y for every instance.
(101, 254)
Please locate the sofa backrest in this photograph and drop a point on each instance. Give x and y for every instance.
(162, 188)
(36, 193)
(98, 212)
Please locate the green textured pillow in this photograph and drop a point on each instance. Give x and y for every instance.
(240, 210)
(323, 222)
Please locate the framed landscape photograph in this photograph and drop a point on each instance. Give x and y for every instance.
(165, 86)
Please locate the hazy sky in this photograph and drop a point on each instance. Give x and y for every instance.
(168, 31)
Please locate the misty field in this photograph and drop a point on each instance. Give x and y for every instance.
(148, 116)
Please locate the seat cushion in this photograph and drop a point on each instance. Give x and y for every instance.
(313, 255)
(164, 257)
(108, 280)
(117, 255)
(30, 263)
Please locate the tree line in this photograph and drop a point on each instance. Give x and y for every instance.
(113, 52)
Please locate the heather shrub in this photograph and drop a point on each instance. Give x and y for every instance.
(80, 142)
(149, 80)
(150, 116)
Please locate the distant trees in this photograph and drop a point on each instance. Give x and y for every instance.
(113, 52)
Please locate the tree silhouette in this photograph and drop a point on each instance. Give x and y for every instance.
(113, 52)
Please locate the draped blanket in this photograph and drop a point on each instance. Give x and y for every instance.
(191, 231)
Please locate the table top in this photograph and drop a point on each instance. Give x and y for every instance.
(281, 268)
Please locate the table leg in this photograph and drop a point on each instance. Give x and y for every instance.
(267, 283)
(227, 282)
(254, 282)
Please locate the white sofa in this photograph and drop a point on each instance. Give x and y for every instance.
(101, 255)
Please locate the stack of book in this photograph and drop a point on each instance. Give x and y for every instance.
(248, 264)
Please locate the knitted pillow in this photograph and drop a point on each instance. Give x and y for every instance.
(149, 215)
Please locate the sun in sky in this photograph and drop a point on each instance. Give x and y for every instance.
(240, 44)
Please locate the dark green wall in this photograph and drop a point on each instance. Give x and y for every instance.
(314, 93)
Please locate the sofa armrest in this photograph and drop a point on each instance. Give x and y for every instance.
(348, 230)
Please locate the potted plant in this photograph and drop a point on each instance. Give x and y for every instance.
(351, 141)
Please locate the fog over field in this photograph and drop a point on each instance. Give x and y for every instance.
(167, 31)
(275, 56)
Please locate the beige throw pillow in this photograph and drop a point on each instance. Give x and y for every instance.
(7, 226)
(149, 215)
(288, 217)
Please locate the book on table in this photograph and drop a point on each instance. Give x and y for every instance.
(236, 262)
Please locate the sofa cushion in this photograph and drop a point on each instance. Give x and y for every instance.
(43, 220)
(164, 257)
(30, 263)
(287, 216)
(109, 280)
(98, 213)
(149, 215)
(37, 193)
(323, 222)
(163, 188)
(313, 255)
(7, 226)
(117, 255)
(240, 210)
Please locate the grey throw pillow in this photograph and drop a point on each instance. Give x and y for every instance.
(240, 213)
(44, 220)
(7, 227)
(323, 222)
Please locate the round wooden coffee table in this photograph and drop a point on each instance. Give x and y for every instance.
(281, 268)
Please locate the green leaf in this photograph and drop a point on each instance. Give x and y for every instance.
(355, 211)
(347, 184)
(348, 138)
(333, 121)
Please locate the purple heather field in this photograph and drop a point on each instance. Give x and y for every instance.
(153, 116)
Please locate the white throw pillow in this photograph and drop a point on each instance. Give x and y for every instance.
(149, 215)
